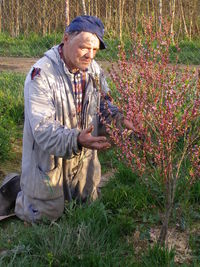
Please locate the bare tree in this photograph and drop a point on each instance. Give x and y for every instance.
(172, 13)
(192, 7)
(1, 4)
(66, 12)
(84, 7)
(96, 8)
(160, 13)
(17, 18)
(195, 17)
(183, 18)
(137, 12)
(44, 16)
(121, 12)
(89, 7)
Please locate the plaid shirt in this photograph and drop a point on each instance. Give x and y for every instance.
(78, 80)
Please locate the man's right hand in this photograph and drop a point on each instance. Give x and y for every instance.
(85, 139)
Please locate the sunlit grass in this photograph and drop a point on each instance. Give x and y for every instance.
(34, 45)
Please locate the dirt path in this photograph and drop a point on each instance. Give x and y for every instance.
(16, 64)
(22, 65)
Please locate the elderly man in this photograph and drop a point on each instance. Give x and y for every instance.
(65, 91)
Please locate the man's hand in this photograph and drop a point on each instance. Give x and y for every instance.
(128, 124)
(134, 134)
(85, 139)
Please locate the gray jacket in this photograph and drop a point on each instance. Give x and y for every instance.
(50, 150)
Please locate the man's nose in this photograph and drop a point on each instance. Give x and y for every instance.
(90, 53)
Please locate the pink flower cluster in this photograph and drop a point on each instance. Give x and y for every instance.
(163, 102)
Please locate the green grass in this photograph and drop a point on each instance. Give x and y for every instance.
(34, 45)
(101, 233)
(11, 110)
(84, 236)
(97, 234)
(189, 52)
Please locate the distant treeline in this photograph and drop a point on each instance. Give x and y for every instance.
(119, 16)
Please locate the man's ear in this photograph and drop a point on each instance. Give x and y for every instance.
(65, 37)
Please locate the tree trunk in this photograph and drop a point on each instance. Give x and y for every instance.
(183, 18)
(89, 7)
(44, 18)
(92, 8)
(1, 4)
(84, 7)
(172, 12)
(155, 13)
(138, 4)
(17, 19)
(164, 229)
(169, 198)
(147, 8)
(96, 8)
(121, 12)
(191, 12)
(195, 17)
(66, 12)
(12, 31)
(160, 14)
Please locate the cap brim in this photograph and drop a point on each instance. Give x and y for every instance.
(102, 44)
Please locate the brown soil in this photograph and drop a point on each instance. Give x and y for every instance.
(16, 64)
(23, 65)
(177, 240)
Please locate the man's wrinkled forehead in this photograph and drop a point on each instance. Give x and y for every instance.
(87, 38)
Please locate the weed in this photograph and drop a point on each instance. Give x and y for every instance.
(158, 257)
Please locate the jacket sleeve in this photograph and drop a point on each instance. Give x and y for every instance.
(108, 110)
(49, 133)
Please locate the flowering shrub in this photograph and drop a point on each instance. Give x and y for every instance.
(163, 102)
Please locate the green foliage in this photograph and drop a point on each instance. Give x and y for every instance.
(32, 45)
(84, 236)
(127, 194)
(5, 144)
(189, 52)
(11, 109)
(96, 234)
(108, 160)
(11, 96)
(195, 193)
(158, 257)
(195, 245)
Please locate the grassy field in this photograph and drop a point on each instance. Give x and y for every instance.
(119, 229)
(34, 46)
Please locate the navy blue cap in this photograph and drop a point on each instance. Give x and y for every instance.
(88, 24)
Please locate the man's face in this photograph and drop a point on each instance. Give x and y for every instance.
(79, 50)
